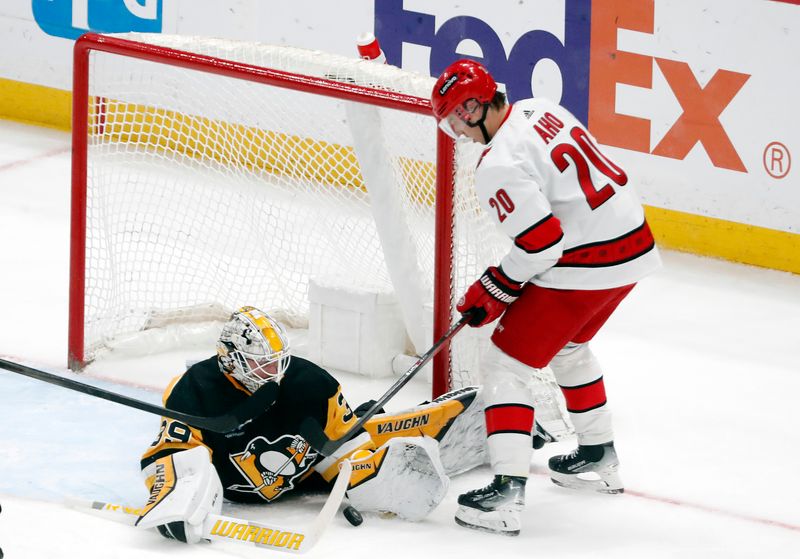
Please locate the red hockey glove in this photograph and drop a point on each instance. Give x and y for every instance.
(487, 298)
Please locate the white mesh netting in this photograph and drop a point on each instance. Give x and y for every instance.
(205, 193)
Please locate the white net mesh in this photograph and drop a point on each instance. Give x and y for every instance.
(205, 192)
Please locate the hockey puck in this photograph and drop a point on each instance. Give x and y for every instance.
(352, 515)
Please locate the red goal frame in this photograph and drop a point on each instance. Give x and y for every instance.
(445, 157)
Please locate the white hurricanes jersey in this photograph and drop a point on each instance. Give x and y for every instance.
(573, 215)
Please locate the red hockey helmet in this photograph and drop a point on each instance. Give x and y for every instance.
(460, 82)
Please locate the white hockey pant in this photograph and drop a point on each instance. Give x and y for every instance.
(578, 373)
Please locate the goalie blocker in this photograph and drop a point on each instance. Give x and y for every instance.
(185, 490)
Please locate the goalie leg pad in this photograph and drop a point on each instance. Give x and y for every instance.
(404, 477)
(185, 489)
(454, 419)
(463, 445)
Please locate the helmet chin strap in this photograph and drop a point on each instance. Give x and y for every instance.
(480, 123)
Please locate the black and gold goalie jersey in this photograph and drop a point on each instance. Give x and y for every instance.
(266, 457)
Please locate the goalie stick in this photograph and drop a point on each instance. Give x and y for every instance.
(313, 433)
(245, 412)
(275, 537)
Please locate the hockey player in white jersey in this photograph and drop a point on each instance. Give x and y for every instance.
(580, 243)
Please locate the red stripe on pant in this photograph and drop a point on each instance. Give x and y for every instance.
(585, 397)
(509, 418)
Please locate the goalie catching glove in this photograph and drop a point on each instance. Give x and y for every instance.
(488, 297)
(185, 489)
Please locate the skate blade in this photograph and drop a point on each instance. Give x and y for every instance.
(610, 485)
(510, 533)
(490, 522)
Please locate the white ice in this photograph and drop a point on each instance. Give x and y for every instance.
(701, 369)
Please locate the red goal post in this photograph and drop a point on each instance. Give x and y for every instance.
(89, 120)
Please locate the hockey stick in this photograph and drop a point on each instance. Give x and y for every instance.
(248, 410)
(239, 531)
(313, 433)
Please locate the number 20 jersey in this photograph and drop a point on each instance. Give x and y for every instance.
(573, 216)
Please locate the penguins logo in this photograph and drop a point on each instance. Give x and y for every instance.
(271, 467)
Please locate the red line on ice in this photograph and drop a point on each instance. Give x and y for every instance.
(45, 155)
(696, 506)
(713, 510)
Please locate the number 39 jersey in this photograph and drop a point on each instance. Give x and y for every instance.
(266, 457)
(574, 218)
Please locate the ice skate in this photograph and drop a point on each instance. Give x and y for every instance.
(495, 508)
(589, 468)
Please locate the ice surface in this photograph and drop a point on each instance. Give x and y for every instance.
(701, 370)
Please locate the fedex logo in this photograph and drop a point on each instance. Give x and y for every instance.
(591, 66)
(72, 18)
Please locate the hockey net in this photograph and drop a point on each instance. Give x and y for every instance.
(202, 182)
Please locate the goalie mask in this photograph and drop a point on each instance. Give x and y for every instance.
(253, 348)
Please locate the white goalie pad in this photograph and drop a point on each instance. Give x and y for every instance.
(463, 446)
(186, 488)
(454, 419)
(404, 477)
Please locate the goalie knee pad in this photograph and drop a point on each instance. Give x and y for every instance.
(184, 489)
(404, 477)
